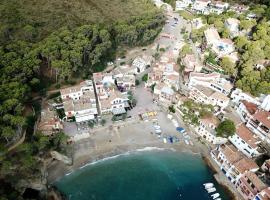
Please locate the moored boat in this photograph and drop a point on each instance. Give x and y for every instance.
(216, 195)
(210, 190)
(208, 185)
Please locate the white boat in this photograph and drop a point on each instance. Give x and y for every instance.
(210, 190)
(156, 126)
(216, 195)
(187, 142)
(218, 199)
(165, 140)
(191, 143)
(208, 185)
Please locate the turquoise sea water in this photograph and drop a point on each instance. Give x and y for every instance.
(148, 175)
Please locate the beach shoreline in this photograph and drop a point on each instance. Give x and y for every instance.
(126, 139)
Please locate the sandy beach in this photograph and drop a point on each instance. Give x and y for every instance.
(131, 136)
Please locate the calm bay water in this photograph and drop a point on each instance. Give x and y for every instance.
(148, 175)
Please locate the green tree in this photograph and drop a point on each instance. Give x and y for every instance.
(228, 66)
(103, 122)
(171, 108)
(226, 128)
(247, 24)
(145, 78)
(186, 49)
(91, 124)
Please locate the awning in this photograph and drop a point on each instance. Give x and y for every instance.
(118, 111)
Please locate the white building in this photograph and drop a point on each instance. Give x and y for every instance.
(205, 95)
(221, 47)
(83, 109)
(232, 25)
(238, 95)
(164, 93)
(206, 130)
(141, 63)
(232, 163)
(218, 7)
(197, 23)
(183, 4)
(201, 6)
(191, 64)
(212, 80)
(115, 103)
(75, 92)
(263, 195)
(246, 141)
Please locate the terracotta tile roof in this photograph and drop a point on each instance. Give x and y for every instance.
(251, 107)
(231, 153)
(68, 105)
(210, 120)
(245, 134)
(263, 117)
(173, 77)
(265, 194)
(206, 91)
(220, 96)
(255, 180)
(203, 75)
(245, 164)
(227, 41)
(232, 21)
(69, 90)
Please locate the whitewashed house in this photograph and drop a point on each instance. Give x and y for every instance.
(197, 23)
(115, 103)
(212, 80)
(246, 142)
(238, 95)
(183, 4)
(75, 92)
(233, 163)
(206, 130)
(218, 7)
(83, 109)
(141, 63)
(205, 95)
(263, 195)
(164, 93)
(191, 64)
(221, 47)
(232, 24)
(201, 6)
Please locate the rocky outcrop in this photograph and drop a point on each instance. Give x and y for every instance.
(57, 156)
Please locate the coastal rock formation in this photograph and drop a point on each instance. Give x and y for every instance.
(57, 156)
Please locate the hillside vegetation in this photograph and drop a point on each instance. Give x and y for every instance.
(70, 39)
(38, 18)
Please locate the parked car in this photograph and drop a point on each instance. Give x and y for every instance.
(180, 129)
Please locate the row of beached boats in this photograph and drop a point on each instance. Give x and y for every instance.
(209, 187)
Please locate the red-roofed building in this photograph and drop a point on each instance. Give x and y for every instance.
(263, 195)
(259, 123)
(246, 141)
(232, 162)
(250, 185)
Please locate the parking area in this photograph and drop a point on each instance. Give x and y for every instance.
(144, 99)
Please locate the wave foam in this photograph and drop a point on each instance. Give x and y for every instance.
(123, 154)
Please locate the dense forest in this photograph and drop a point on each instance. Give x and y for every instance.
(66, 40)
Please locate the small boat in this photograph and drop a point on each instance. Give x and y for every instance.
(191, 143)
(187, 142)
(208, 185)
(216, 195)
(165, 140)
(218, 199)
(210, 190)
